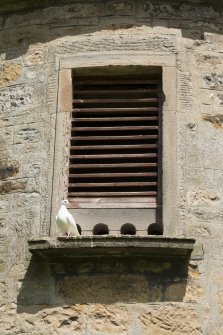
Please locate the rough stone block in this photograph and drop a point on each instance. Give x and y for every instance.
(183, 11)
(213, 80)
(172, 319)
(52, 15)
(28, 207)
(30, 134)
(120, 7)
(106, 288)
(9, 74)
(108, 319)
(205, 204)
(213, 161)
(8, 167)
(216, 330)
(36, 55)
(7, 186)
(14, 99)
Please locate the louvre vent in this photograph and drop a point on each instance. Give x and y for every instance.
(114, 138)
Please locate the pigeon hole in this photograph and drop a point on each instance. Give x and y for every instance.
(128, 229)
(100, 229)
(155, 229)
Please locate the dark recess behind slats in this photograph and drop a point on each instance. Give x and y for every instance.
(115, 138)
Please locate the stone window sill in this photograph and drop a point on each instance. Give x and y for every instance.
(151, 246)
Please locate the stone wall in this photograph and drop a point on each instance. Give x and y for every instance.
(32, 300)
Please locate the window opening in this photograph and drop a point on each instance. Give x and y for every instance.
(115, 145)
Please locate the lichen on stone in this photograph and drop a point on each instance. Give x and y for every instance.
(216, 120)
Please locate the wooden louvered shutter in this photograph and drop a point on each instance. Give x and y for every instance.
(115, 139)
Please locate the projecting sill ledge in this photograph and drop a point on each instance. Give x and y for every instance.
(123, 245)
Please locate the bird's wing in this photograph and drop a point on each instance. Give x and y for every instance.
(70, 218)
(71, 221)
(61, 221)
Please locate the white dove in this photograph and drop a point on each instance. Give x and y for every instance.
(65, 221)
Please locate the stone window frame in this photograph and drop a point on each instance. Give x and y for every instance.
(65, 65)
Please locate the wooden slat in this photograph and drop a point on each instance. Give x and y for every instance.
(115, 110)
(109, 101)
(114, 184)
(120, 199)
(114, 156)
(112, 165)
(125, 137)
(118, 82)
(114, 147)
(112, 202)
(114, 119)
(113, 175)
(115, 91)
(114, 128)
(111, 194)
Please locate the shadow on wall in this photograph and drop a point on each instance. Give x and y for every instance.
(32, 24)
(104, 280)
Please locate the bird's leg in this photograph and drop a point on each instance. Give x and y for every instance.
(68, 234)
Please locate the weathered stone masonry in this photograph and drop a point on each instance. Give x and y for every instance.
(109, 298)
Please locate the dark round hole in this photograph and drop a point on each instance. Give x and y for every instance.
(100, 229)
(79, 229)
(128, 229)
(155, 229)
